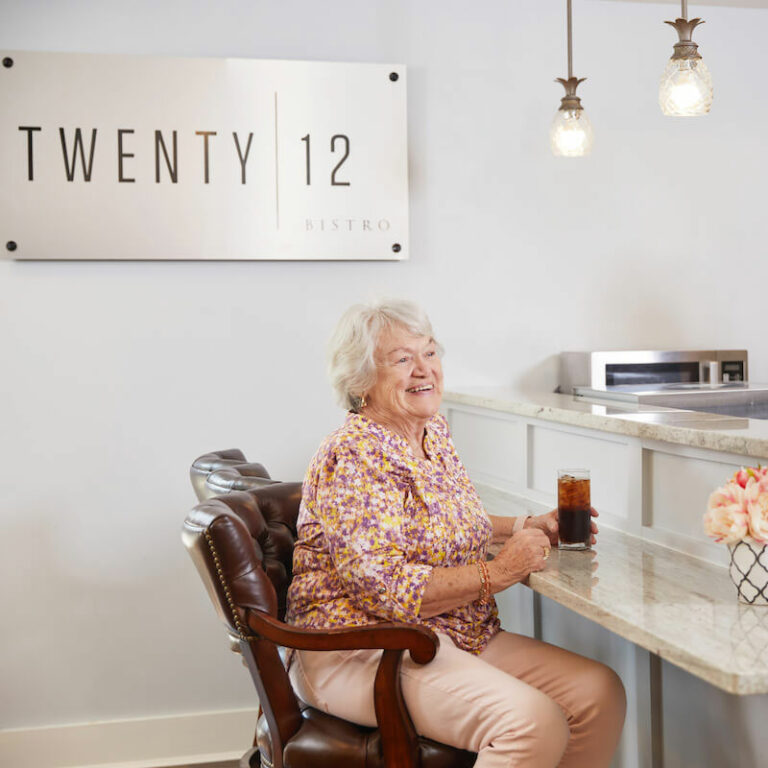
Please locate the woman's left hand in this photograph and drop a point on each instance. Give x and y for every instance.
(548, 524)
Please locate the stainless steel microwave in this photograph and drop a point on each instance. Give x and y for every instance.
(629, 368)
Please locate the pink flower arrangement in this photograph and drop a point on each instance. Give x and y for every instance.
(739, 510)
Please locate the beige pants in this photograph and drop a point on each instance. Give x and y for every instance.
(521, 702)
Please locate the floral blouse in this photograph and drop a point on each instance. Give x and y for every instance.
(375, 520)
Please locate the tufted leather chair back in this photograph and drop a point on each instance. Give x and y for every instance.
(242, 545)
(220, 472)
(247, 538)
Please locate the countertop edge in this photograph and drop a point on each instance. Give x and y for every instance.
(735, 677)
(730, 682)
(710, 439)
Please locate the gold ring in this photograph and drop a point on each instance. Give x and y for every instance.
(546, 552)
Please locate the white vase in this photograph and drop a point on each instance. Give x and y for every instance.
(749, 571)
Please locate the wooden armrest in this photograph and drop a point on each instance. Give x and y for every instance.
(421, 642)
(398, 736)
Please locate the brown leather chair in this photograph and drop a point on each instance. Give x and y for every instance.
(219, 472)
(242, 544)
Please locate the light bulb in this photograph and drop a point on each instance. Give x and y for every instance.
(686, 88)
(571, 133)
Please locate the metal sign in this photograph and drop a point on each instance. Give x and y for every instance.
(132, 157)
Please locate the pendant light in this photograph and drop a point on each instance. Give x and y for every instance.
(686, 85)
(571, 133)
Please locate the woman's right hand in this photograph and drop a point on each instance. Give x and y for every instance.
(522, 554)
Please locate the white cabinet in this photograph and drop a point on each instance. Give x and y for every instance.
(649, 488)
(645, 487)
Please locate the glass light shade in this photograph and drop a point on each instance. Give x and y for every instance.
(686, 88)
(571, 133)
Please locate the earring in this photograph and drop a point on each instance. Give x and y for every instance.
(363, 403)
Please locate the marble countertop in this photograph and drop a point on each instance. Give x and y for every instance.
(747, 437)
(677, 606)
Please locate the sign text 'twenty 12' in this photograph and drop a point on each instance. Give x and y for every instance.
(134, 157)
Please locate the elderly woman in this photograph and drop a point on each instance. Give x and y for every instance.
(391, 529)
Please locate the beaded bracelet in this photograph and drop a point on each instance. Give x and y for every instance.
(485, 583)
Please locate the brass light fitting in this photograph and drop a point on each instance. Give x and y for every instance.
(686, 85)
(571, 132)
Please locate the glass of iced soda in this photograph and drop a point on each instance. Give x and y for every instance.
(573, 509)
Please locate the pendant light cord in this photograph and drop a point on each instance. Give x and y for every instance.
(570, 43)
(684, 8)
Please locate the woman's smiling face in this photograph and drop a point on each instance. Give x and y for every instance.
(409, 381)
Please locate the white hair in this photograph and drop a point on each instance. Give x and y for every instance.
(351, 349)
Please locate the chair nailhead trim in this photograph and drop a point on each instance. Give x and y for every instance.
(238, 625)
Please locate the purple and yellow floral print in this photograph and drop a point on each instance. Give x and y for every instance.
(374, 522)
